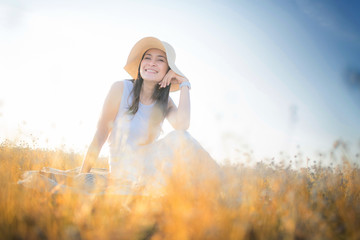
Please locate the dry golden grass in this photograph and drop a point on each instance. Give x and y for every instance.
(267, 201)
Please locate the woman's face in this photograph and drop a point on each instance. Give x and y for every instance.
(154, 65)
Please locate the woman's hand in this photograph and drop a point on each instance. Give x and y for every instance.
(172, 77)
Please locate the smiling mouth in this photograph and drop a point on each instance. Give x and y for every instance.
(150, 71)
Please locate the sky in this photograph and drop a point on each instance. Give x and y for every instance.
(267, 76)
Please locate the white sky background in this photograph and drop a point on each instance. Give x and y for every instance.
(260, 79)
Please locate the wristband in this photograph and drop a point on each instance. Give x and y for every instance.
(185, 83)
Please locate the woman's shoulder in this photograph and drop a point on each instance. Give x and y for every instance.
(124, 84)
(120, 85)
(117, 89)
(120, 88)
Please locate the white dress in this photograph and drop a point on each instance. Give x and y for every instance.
(133, 167)
(129, 133)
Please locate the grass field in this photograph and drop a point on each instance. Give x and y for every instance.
(267, 201)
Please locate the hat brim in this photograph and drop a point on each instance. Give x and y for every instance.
(136, 53)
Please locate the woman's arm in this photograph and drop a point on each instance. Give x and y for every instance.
(179, 117)
(104, 126)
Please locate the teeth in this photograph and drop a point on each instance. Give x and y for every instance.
(151, 71)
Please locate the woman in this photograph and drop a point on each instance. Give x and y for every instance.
(131, 120)
(148, 64)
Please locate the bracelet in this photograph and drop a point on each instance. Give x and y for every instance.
(186, 83)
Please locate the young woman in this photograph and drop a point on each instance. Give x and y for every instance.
(131, 121)
(134, 110)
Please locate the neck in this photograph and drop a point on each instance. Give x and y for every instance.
(147, 91)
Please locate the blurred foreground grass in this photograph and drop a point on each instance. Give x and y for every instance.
(267, 201)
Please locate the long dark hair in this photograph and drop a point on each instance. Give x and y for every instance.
(161, 98)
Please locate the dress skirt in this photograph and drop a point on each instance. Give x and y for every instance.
(140, 172)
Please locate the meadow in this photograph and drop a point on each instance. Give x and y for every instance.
(267, 200)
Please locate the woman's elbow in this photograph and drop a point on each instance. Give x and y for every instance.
(182, 126)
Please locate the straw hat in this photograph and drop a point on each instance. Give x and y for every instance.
(136, 53)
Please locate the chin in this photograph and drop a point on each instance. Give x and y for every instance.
(155, 80)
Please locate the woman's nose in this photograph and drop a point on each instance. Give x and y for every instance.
(152, 62)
